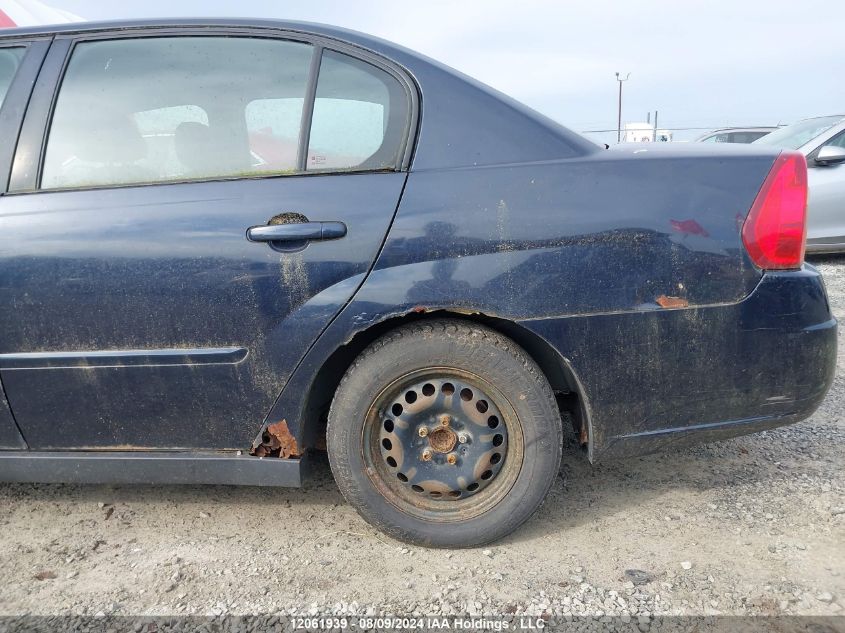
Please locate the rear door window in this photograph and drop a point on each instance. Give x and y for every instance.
(273, 128)
(360, 117)
(163, 109)
(158, 128)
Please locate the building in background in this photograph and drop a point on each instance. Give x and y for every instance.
(644, 133)
(32, 13)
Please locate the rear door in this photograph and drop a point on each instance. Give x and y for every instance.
(19, 64)
(137, 308)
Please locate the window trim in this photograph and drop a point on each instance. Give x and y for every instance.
(17, 98)
(26, 173)
(308, 110)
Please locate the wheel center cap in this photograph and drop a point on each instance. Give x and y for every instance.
(442, 440)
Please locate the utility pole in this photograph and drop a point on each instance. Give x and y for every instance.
(619, 111)
(654, 134)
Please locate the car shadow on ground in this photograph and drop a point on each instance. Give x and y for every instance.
(585, 493)
(582, 494)
(827, 258)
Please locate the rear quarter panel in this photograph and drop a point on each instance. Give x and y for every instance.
(603, 233)
(632, 268)
(585, 253)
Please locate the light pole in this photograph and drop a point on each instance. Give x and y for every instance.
(619, 111)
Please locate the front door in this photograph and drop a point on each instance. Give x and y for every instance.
(137, 310)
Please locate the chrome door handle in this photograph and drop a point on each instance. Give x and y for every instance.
(297, 232)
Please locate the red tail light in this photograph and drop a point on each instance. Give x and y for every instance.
(776, 227)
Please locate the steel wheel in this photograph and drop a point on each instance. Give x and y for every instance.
(444, 433)
(442, 443)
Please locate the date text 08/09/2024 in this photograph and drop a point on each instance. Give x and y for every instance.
(520, 623)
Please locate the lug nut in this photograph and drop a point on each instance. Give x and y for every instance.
(463, 438)
(445, 419)
(452, 458)
(423, 431)
(426, 455)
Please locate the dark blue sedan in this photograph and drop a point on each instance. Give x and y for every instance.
(226, 244)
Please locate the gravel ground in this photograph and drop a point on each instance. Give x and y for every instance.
(749, 526)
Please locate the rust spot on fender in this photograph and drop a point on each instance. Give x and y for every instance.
(419, 309)
(280, 433)
(671, 302)
(277, 441)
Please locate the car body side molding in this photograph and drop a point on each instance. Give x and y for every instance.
(113, 467)
(124, 358)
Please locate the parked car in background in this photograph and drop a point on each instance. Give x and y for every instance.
(735, 135)
(822, 141)
(272, 234)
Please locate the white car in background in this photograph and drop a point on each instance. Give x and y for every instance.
(822, 141)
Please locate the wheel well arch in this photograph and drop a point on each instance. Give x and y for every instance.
(565, 384)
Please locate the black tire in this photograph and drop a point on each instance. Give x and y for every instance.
(489, 363)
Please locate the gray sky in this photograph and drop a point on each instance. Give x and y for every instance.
(700, 63)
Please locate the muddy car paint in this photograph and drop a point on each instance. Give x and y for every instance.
(503, 216)
(168, 268)
(740, 354)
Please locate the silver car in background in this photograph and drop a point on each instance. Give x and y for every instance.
(735, 135)
(822, 141)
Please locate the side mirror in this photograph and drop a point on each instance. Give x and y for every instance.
(830, 155)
